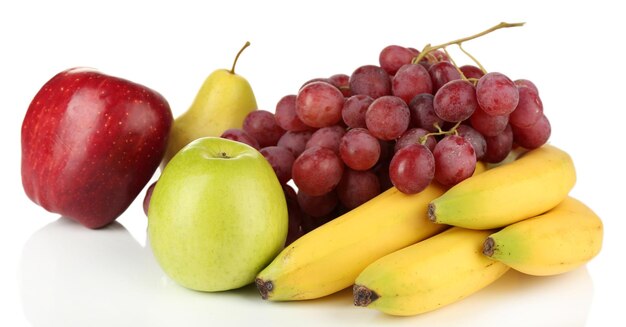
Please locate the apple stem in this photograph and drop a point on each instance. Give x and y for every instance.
(232, 70)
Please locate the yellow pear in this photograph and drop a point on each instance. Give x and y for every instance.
(223, 102)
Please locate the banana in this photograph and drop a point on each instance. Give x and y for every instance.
(428, 275)
(558, 241)
(329, 258)
(533, 184)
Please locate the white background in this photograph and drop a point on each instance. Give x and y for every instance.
(56, 273)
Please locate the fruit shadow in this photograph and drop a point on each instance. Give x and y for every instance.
(69, 274)
(516, 299)
(73, 276)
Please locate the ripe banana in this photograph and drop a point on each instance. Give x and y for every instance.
(558, 241)
(329, 258)
(428, 275)
(533, 184)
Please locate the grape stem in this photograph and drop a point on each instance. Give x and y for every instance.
(454, 64)
(422, 139)
(473, 59)
(428, 48)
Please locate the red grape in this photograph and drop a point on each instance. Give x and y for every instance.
(327, 137)
(470, 71)
(411, 80)
(294, 231)
(387, 117)
(496, 94)
(412, 136)
(342, 82)
(357, 187)
(382, 172)
(439, 55)
(529, 108)
(281, 159)
(370, 80)
(359, 150)
(319, 104)
(354, 109)
(286, 117)
(442, 73)
(313, 80)
(423, 114)
(414, 51)
(412, 168)
(261, 125)
(488, 125)
(499, 146)
(526, 83)
(242, 136)
(455, 101)
(455, 160)
(318, 206)
(386, 150)
(295, 141)
(317, 171)
(392, 57)
(534, 136)
(476, 139)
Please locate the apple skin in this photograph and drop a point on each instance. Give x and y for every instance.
(90, 143)
(217, 216)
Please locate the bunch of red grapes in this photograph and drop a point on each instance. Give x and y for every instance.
(345, 139)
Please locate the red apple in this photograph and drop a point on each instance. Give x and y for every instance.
(90, 143)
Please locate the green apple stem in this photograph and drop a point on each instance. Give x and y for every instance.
(232, 70)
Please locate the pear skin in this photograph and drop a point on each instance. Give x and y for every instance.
(223, 101)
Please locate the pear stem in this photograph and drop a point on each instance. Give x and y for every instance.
(232, 70)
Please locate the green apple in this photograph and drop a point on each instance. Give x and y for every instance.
(217, 215)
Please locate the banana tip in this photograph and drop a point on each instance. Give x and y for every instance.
(489, 246)
(265, 287)
(431, 212)
(363, 296)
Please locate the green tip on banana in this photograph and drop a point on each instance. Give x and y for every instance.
(363, 296)
(265, 287)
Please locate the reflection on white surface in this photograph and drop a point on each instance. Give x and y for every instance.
(72, 276)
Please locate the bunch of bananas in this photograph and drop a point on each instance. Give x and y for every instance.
(402, 257)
